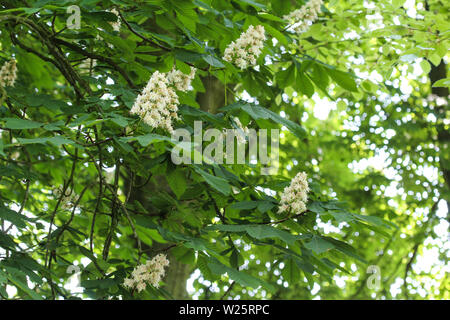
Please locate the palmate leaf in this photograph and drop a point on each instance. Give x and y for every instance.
(177, 182)
(13, 217)
(198, 244)
(19, 124)
(318, 245)
(291, 271)
(217, 183)
(213, 61)
(257, 231)
(258, 112)
(344, 248)
(6, 241)
(23, 286)
(244, 205)
(240, 277)
(339, 212)
(345, 80)
(57, 141)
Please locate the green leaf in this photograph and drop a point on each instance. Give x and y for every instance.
(240, 277)
(202, 264)
(244, 205)
(15, 123)
(264, 206)
(375, 221)
(319, 76)
(291, 271)
(2, 152)
(425, 65)
(145, 221)
(303, 84)
(177, 182)
(197, 114)
(217, 183)
(345, 248)
(187, 21)
(57, 140)
(54, 126)
(183, 254)
(258, 112)
(120, 120)
(257, 231)
(145, 140)
(319, 245)
(197, 244)
(234, 259)
(253, 4)
(98, 283)
(265, 231)
(13, 217)
(286, 78)
(275, 33)
(442, 83)
(33, 295)
(344, 79)
(213, 61)
(6, 241)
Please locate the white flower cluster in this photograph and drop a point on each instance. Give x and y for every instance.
(157, 105)
(151, 273)
(294, 197)
(244, 51)
(180, 80)
(305, 16)
(8, 73)
(116, 24)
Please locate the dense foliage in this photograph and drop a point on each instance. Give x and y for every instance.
(360, 95)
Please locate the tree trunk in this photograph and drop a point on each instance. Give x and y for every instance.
(437, 73)
(178, 273)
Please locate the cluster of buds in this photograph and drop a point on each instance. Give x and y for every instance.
(8, 73)
(244, 51)
(302, 18)
(295, 196)
(151, 273)
(68, 198)
(116, 24)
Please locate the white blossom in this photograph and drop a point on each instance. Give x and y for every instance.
(302, 18)
(68, 198)
(244, 51)
(439, 101)
(295, 196)
(116, 24)
(8, 73)
(180, 80)
(157, 105)
(151, 273)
